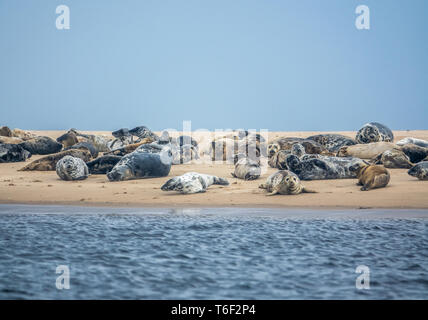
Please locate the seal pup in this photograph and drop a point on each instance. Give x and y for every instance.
(192, 182)
(246, 169)
(284, 182)
(143, 163)
(41, 145)
(394, 159)
(365, 151)
(418, 142)
(419, 170)
(68, 139)
(332, 142)
(323, 167)
(13, 153)
(374, 132)
(71, 168)
(48, 163)
(372, 176)
(103, 164)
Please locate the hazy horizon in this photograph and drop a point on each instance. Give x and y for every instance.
(276, 65)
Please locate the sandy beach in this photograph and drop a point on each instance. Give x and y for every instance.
(45, 187)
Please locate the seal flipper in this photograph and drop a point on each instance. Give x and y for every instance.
(220, 181)
(305, 190)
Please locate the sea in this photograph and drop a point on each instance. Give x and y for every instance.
(74, 252)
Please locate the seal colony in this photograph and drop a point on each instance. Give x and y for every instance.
(139, 153)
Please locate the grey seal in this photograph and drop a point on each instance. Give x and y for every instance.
(192, 182)
(419, 170)
(284, 182)
(247, 169)
(103, 164)
(332, 142)
(374, 132)
(48, 163)
(41, 145)
(13, 153)
(418, 142)
(71, 168)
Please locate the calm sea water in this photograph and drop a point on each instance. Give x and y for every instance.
(211, 253)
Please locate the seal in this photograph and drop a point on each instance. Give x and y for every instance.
(71, 168)
(100, 142)
(374, 132)
(143, 163)
(285, 143)
(68, 139)
(192, 182)
(332, 142)
(129, 148)
(5, 132)
(182, 140)
(415, 152)
(103, 164)
(41, 145)
(184, 153)
(247, 169)
(418, 142)
(48, 163)
(143, 132)
(324, 167)
(394, 159)
(372, 176)
(85, 146)
(13, 153)
(419, 170)
(366, 151)
(10, 140)
(284, 182)
(279, 159)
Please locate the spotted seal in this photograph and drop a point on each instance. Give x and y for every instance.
(143, 163)
(192, 182)
(247, 169)
(374, 132)
(143, 132)
(324, 167)
(41, 145)
(420, 170)
(372, 176)
(394, 159)
(418, 142)
(13, 153)
(103, 164)
(48, 163)
(285, 143)
(71, 168)
(332, 142)
(284, 182)
(278, 160)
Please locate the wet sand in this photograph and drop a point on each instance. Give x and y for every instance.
(45, 187)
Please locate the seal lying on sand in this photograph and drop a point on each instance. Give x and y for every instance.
(103, 164)
(143, 132)
(100, 142)
(71, 168)
(68, 139)
(85, 146)
(332, 142)
(278, 160)
(311, 146)
(420, 170)
(366, 151)
(284, 182)
(374, 132)
(247, 169)
(414, 152)
(324, 167)
(418, 142)
(13, 153)
(394, 159)
(372, 176)
(143, 163)
(192, 182)
(49, 162)
(16, 133)
(129, 148)
(10, 140)
(41, 145)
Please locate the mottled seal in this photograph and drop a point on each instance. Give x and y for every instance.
(192, 182)
(284, 182)
(100, 142)
(85, 145)
(394, 159)
(278, 160)
(419, 170)
(418, 142)
(13, 153)
(374, 132)
(41, 145)
(142, 163)
(365, 151)
(103, 164)
(414, 152)
(372, 176)
(324, 167)
(285, 143)
(49, 162)
(130, 147)
(71, 168)
(332, 142)
(143, 132)
(247, 169)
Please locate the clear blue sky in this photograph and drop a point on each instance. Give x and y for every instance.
(273, 64)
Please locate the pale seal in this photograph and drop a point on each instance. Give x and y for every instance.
(247, 169)
(365, 151)
(372, 176)
(71, 168)
(284, 182)
(374, 132)
(13, 153)
(41, 145)
(48, 163)
(418, 142)
(332, 142)
(420, 171)
(103, 164)
(192, 182)
(143, 163)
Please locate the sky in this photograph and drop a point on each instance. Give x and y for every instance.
(254, 64)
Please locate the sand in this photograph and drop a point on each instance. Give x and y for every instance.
(45, 187)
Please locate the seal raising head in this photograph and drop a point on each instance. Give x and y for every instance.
(284, 182)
